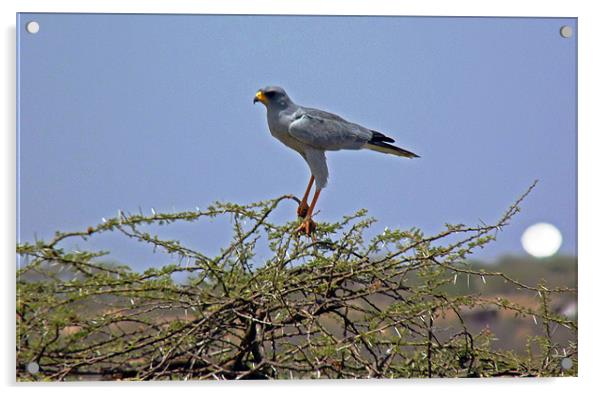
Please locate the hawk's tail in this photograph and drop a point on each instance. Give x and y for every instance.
(379, 142)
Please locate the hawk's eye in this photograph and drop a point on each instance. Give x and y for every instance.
(270, 94)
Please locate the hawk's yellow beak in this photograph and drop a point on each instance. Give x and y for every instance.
(259, 96)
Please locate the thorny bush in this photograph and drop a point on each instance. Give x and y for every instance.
(337, 306)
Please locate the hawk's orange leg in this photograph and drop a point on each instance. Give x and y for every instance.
(308, 225)
(303, 207)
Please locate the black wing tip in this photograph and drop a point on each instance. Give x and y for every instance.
(378, 137)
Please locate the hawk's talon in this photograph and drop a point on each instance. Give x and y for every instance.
(308, 226)
(302, 209)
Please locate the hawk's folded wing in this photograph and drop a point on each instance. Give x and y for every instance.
(325, 131)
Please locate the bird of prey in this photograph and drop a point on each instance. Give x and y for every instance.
(311, 133)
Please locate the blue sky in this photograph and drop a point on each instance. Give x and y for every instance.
(129, 111)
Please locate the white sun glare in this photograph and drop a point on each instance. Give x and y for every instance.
(541, 240)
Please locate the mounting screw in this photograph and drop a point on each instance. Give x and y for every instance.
(566, 31)
(32, 27)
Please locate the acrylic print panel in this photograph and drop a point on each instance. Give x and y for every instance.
(164, 231)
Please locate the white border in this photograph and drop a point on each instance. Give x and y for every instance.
(590, 150)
